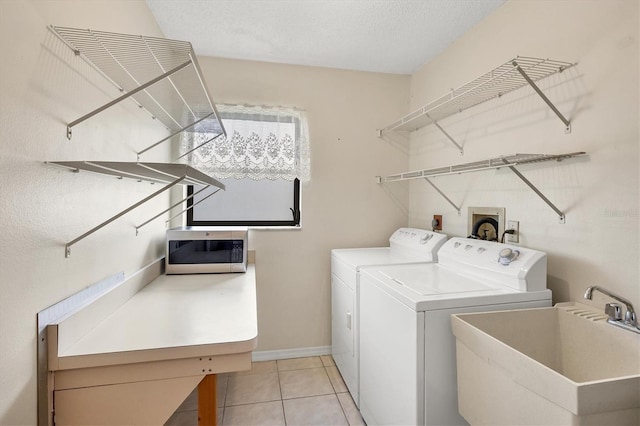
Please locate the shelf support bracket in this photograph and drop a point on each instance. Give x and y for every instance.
(435, 123)
(173, 134)
(566, 122)
(561, 215)
(125, 96)
(177, 204)
(443, 195)
(67, 248)
(192, 205)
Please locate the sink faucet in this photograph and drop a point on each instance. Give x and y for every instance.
(630, 318)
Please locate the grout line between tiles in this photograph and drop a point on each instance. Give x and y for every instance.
(284, 413)
(330, 381)
(224, 402)
(344, 413)
(308, 396)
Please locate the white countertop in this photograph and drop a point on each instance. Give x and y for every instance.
(174, 316)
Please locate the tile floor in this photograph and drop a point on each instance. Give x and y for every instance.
(298, 391)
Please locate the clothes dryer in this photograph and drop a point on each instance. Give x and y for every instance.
(406, 246)
(407, 349)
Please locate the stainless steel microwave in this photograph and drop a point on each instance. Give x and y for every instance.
(206, 250)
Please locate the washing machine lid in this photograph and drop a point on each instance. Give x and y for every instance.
(431, 286)
(433, 281)
(361, 257)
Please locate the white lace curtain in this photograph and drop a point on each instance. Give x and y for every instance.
(261, 143)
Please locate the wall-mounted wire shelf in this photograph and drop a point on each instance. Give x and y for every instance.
(167, 173)
(160, 75)
(163, 77)
(509, 161)
(512, 75)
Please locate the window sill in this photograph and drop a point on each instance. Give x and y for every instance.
(275, 228)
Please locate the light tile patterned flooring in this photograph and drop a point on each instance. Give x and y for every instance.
(297, 391)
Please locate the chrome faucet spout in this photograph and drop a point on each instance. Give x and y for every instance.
(629, 317)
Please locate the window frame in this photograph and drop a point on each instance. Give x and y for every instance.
(294, 222)
(295, 208)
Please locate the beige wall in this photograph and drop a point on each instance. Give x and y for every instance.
(42, 87)
(599, 242)
(342, 206)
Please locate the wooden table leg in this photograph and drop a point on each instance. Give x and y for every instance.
(207, 402)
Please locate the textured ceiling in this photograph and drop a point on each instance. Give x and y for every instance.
(393, 36)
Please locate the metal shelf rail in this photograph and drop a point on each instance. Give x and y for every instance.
(160, 75)
(509, 161)
(171, 174)
(512, 75)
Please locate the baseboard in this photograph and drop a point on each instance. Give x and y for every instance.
(290, 353)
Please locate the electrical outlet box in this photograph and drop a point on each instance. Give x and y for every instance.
(515, 237)
(437, 222)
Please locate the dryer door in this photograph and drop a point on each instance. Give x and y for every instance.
(343, 328)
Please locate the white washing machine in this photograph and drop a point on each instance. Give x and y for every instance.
(406, 246)
(407, 349)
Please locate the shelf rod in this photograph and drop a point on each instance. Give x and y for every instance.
(442, 193)
(125, 96)
(173, 134)
(166, 210)
(186, 104)
(122, 173)
(205, 89)
(87, 61)
(201, 145)
(435, 123)
(192, 205)
(566, 122)
(126, 71)
(67, 248)
(537, 191)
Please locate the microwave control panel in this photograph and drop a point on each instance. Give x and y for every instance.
(237, 252)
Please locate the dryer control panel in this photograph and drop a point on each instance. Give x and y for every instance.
(516, 267)
(417, 242)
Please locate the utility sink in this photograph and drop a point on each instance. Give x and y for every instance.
(560, 365)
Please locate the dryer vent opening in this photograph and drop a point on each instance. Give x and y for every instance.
(486, 223)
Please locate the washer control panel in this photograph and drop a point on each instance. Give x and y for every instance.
(507, 255)
(514, 266)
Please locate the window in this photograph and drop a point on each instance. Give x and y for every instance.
(247, 202)
(262, 162)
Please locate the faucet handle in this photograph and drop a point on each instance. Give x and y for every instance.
(630, 318)
(614, 311)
